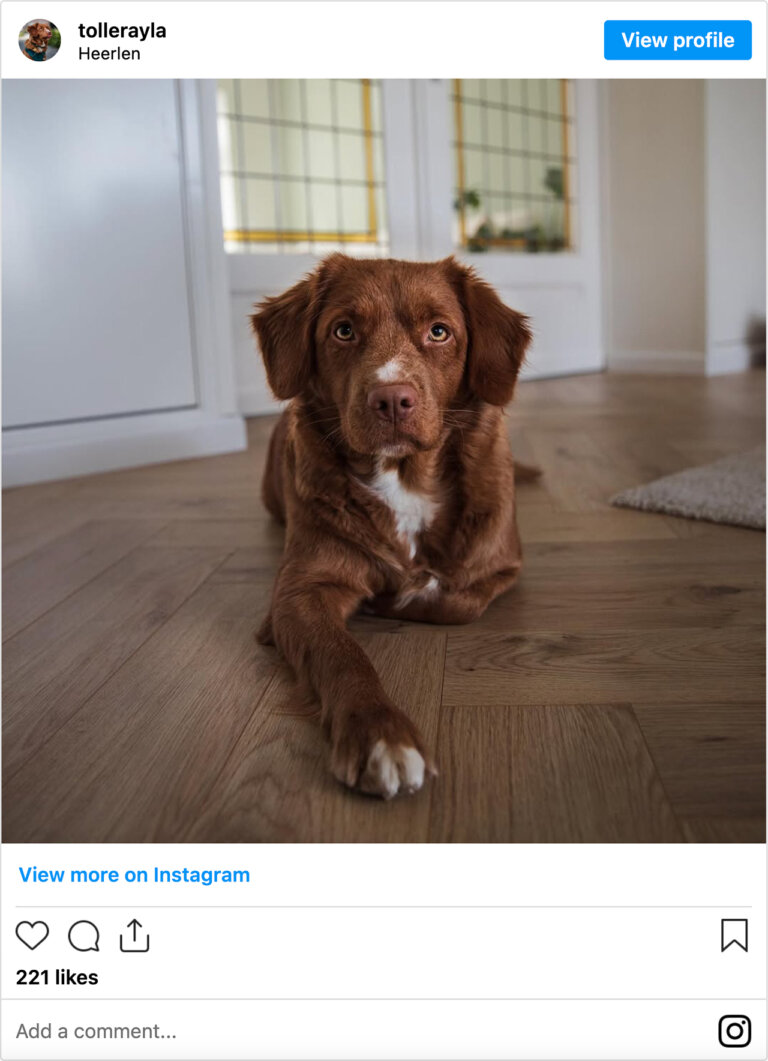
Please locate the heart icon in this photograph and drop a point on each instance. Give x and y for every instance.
(31, 933)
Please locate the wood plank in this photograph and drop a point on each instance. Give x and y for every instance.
(136, 763)
(45, 577)
(724, 830)
(547, 774)
(278, 786)
(258, 563)
(600, 667)
(192, 488)
(216, 533)
(542, 523)
(20, 502)
(711, 756)
(578, 473)
(720, 547)
(32, 519)
(579, 600)
(54, 665)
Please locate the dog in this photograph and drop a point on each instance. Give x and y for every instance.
(392, 471)
(36, 44)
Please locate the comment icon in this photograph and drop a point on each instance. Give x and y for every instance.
(84, 936)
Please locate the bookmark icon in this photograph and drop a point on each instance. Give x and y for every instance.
(734, 930)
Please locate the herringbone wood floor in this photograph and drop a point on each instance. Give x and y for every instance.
(615, 695)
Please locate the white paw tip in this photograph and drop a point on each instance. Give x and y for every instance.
(391, 769)
(412, 769)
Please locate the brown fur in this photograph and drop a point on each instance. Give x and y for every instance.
(39, 37)
(343, 549)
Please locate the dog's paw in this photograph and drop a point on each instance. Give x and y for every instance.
(392, 768)
(381, 755)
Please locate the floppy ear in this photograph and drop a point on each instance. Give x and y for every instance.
(498, 337)
(284, 327)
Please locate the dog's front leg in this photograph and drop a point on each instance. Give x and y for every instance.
(374, 746)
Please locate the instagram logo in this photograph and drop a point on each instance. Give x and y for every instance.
(735, 1030)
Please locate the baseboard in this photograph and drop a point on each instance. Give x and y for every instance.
(730, 357)
(662, 362)
(41, 454)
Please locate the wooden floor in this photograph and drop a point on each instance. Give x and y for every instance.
(615, 695)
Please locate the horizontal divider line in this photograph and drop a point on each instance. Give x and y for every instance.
(256, 998)
(373, 906)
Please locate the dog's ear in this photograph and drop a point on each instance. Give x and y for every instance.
(284, 327)
(498, 336)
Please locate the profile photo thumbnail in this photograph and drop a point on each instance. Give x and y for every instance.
(39, 40)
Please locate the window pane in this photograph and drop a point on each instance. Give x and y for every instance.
(257, 148)
(320, 103)
(514, 161)
(321, 155)
(251, 98)
(302, 166)
(259, 204)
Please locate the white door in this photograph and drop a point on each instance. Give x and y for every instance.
(96, 309)
(504, 174)
(116, 344)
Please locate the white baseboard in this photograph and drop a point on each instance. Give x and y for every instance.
(730, 357)
(663, 362)
(62, 451)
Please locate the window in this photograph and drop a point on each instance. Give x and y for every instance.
(514, 165)
(302, 166)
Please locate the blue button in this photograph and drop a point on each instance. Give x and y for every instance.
(685, 39)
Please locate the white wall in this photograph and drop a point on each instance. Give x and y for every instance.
(735, 113)
(655, 237)
(685, 222)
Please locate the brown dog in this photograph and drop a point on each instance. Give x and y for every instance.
(38, 39)
(392, 470)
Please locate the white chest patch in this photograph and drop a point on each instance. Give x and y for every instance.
(413, 512)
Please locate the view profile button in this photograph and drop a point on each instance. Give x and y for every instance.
(677, 39)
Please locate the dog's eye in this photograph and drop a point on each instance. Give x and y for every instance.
(344, 331)
(438, 333)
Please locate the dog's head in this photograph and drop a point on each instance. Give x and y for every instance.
(39, 32)
(390, 347)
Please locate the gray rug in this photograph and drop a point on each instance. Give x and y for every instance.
(731, 490)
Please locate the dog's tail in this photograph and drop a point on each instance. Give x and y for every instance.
(526, 473)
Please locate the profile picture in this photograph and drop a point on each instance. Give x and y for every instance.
(39, 40)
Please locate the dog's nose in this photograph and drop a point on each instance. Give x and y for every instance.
(393, 403)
